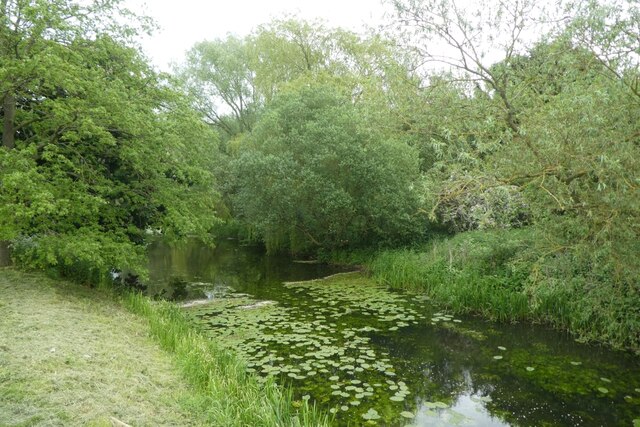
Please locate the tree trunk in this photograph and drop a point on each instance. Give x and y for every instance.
(8, 129)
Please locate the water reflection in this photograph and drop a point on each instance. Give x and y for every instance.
(5, 255)
(469, 372)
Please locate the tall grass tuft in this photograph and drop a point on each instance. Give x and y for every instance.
(232, 396)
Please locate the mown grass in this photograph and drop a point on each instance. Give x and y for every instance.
(75, 356)
(500, 275)
(70, 356)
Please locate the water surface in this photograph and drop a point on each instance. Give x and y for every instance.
(373, 356)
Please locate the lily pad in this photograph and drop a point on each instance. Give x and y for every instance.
(407, 414)
(603, 390)
(502, 348)
(530, 368)
(497, 357)
(371, 414)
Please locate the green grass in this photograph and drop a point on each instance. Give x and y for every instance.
(502, 276)
(75, 356)
(235, 398)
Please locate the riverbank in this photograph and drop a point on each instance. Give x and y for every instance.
(502, 276)
(70, 355)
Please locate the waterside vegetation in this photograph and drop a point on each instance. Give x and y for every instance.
(79, 356)
(500, 175)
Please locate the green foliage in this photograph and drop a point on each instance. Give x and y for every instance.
(104, 149)
(476, 271)
(233, 396)
(470, 203)
(313, 176)
(502, 275)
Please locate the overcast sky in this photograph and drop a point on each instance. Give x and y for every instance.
(185, 22)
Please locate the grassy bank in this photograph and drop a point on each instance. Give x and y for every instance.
(234, 396)
(70, 355)
(500, 275)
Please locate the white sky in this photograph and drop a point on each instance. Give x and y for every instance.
(185, 22)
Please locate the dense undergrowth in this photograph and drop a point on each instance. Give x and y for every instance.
(501, 275)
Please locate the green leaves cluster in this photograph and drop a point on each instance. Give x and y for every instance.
(312, 175)
(98, 148)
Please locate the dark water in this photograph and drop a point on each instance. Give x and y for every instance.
(5, 255)
(395, 354)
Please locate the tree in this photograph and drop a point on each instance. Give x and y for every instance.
(233, 79)
(34, 32)
(219, 77)
(314, 176)
(103, 149)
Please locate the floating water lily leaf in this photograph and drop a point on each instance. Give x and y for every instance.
(333, 410)
(502, 348)
(530, 368)
(603, 390)
(497, 357)
(371, 414)
(576, 363)
(344, 407)
(440, 405)
(407, 414)
(334, 378)
(354, 403)
(482, 399)
(397, 398)
(606, 380)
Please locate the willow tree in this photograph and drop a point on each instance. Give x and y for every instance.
(315, 176)
(233, 78)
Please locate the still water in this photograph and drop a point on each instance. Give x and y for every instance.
(372, 356)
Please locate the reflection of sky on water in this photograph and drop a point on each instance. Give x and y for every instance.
(467, 411)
